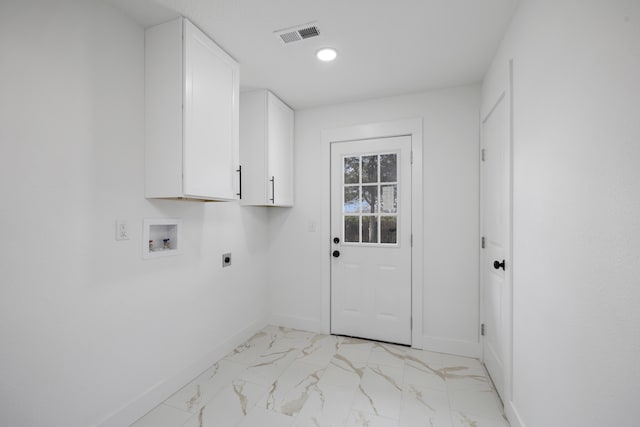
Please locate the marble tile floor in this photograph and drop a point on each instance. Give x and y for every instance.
(285, 377)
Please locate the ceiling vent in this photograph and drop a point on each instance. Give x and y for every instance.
(298, 33)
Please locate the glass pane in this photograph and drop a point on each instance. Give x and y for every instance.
(351, 199)
(388, 229)
(351, 233)
(389, 199)
(351, 170)
(388, 168)
(370, 198)
(369, 229)
(369, 168)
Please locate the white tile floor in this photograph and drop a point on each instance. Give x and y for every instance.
(285, 377)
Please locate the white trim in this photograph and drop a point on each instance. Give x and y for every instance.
(412, 127)
(449, 346)
(509, 315)
(294, 322)
(512, 415)
(505, 93)
(158, 393)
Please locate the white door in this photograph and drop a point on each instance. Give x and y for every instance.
(371, 239)
(496, 192)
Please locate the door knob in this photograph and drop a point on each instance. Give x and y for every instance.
(336, 254)
(498, 265)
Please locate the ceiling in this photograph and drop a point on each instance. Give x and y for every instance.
(384, 47)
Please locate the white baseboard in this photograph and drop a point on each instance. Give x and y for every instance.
(293, 322)
(449, 346)
(512, 415)
(159, 392)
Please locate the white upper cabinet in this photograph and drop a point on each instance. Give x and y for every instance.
(191, 115)
(266, 149)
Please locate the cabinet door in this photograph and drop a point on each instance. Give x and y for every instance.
(280, 151)
(210, 144)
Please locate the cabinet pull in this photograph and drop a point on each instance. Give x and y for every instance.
(239, 170)
(273, 190)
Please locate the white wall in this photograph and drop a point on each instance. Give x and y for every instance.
(450, 222)
(576, 211)
(86, 325)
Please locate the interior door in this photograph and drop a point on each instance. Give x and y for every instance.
(371, 239)
(496, 237)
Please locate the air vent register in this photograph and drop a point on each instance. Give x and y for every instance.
(298, 33)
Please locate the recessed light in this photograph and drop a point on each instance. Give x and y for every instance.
(326, 54)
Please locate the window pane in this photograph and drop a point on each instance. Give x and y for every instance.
(351, 170)
(388, 168)
(369, 168)
(351, 200)
(389, 199)
(370, 198)
(388, 229)
(369, 229)
(351, 226)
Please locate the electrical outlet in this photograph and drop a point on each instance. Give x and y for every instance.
(226, 260)
(122, 230)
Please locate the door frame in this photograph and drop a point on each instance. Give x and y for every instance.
(502, 90)
(408, 127)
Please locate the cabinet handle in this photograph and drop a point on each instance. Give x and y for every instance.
(273, 190)
(239, 170)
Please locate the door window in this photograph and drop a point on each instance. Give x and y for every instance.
(370, 199)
